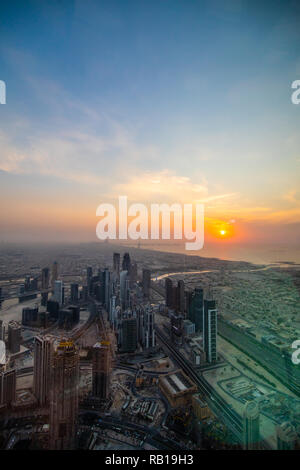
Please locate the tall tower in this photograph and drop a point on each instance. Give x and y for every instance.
(101, 369)
(251, 435)
(64, 396)
(146, 282)
(169, 292)
(210, 330)
(106, 288)
(14, 336)
(74, 292)
(7, 387)
(116, 262)
(195, 308)
(180, 296)
(43, 350)
(126, 264)
(2, 331)
(58, 294)
(89, 275)
(129, 334)
(123, 286)
(54, 273)
(149, 331)
(45, 278)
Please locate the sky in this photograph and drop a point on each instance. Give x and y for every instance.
(162, 101)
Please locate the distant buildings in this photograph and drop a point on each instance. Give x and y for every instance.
(251, 434)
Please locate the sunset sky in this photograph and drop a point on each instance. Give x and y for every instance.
(162, 101)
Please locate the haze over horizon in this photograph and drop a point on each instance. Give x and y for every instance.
(163, 101)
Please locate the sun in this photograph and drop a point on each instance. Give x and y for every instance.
(222, 232)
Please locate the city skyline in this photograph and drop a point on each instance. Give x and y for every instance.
(162, 102)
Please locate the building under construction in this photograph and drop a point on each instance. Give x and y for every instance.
(64, 396)
(101, 369)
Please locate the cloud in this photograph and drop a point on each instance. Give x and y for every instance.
(292, 196)
(160, 186)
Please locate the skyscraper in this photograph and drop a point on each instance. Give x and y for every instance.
(210, 330)
(149, 331)
(106, 288)
(126, 264)
(74, 292)
(251, 435)
(89, 275)
(2, 331)
(54, 273)
(129, 334)
(116, 262)
(112, 310)
(123, 287)
(195, 308)
(45, 278)
(180, 300)
(146, 282)
(58, 294)
(169, 292)
(14, 337)
(43, 350)
(64, 396)
(7, 387)
(101, 369)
